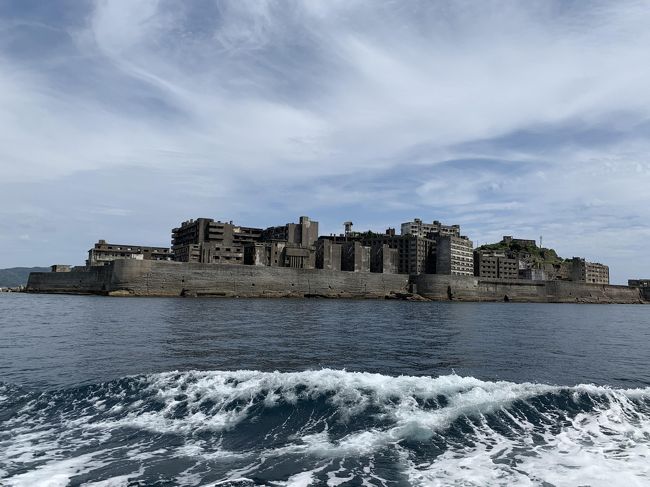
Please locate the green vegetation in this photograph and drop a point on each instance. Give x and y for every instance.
(17, 276)
(531, 253)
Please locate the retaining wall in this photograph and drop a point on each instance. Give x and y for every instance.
(160, 278)
(468, 288)
(92, 281)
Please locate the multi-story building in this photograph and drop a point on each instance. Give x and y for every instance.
(418, 228)
(589, 272)
(290, 245)
(304, 233)
(103, 253)
(495, 265)
(212, 242)
(415, 255)
(454, 255)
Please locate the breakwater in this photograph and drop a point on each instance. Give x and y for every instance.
(161, 278)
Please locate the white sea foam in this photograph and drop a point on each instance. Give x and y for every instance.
(588, 443)
(118, 481)
(55, 473)
(607, 446)
(350, 392)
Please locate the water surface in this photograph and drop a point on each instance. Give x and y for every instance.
(148, 391)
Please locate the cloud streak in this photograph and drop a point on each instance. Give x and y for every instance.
(506, 117)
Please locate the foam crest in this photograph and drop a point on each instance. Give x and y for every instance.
(326, 426)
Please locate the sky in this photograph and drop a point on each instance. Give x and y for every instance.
(121, 119)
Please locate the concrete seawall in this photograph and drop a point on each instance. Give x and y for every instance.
(461, 288)
(158, 278)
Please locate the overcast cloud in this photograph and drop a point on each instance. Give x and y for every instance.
(120, 119)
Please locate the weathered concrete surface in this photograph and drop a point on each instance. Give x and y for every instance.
(645, 292)
(462, 288)
(160, 278)
(93, 281)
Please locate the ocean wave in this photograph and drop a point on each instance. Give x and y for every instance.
(323, 427)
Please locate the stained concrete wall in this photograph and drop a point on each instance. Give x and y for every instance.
(160, 278)
(153, 278)
(355, 257)
(328, 255)
(645, 293)
(94, 280)
(466, 288)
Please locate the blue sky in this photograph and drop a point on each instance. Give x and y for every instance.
(120, 119)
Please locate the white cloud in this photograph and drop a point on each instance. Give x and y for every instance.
(261, 105)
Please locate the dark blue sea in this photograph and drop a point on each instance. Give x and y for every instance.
(238, 392)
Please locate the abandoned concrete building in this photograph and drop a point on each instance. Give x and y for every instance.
(409, 253)
(209, 242)
(304, 233)
(522, 242)
(103, 252)
(495, 265)
(420, 229)
(415, 255)
(454, 255)
(422, 248)
(590, 272)
(289, 245)
(355, 255)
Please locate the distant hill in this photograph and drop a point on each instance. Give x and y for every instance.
(17, 276)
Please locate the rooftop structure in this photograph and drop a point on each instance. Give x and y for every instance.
(420, 229)
(522, 242)
(211, 242)
(104, 252)
(304, 233)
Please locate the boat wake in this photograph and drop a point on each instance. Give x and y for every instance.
(324, 427)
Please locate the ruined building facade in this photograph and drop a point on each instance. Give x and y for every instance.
(290, 245)
(211, 242)
(589, 272)
(418, 228)
(104, 252)
(495, 265)
(422, 248)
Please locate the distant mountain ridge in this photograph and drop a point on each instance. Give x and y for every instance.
(17, 276)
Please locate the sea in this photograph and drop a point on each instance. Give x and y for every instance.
(99, 391)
